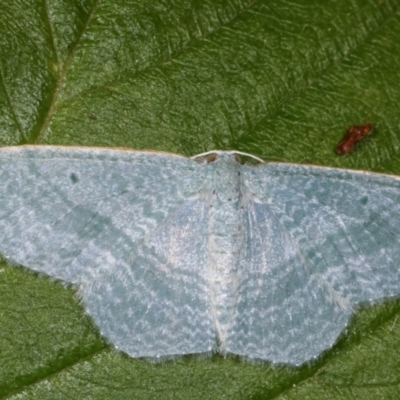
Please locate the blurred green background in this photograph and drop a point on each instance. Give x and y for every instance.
(280, 79)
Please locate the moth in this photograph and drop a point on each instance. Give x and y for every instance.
(174, 255)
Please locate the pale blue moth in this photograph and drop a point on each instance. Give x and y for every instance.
(175, 256)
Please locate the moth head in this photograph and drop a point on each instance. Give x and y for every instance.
(236, 156)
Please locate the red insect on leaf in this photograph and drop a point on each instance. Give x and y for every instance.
(353, 135)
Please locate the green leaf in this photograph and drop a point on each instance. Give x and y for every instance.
(282, 80)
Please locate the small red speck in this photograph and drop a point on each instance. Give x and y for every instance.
(353, 135)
